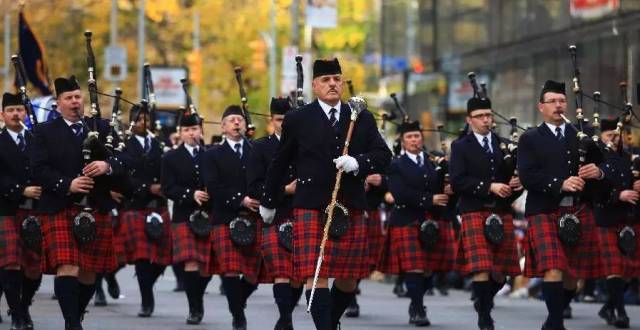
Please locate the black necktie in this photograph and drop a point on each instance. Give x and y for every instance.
(485, 145)
(419, 160)
(196, 152)
(559, 135)
(332, 117)
(77, 129)
(238, 148)
(21, 144)
(146, 144)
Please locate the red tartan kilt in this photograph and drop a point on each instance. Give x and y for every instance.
(375, 237)
(476, 254)
(230, 258)
(345, 258)
(61, 248)
(277, 261)
(10, 246)
(404, 252)
(613, 261)
(187, 247)
(544, 251)
(136, 244)
(118, 242)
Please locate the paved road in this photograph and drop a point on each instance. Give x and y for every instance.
(379, 310)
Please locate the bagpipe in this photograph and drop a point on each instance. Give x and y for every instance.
(30, 226)
(251, 129)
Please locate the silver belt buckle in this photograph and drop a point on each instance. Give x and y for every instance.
(27, 204)
(566, 201)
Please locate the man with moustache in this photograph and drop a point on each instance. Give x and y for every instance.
(485, 186)
(277, 258)
(67, 183)
(225, 169)
(181, 181)
(313, 139)
(150, 255)
(548, 165)
(20, 274)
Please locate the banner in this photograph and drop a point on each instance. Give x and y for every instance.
(31, 51)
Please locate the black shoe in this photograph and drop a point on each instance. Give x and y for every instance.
(179, 287)
(399, 290)
(567, 313)
(545, 326)
(69, 327)
(429, 292)
(418, 316)
(476, 305)
(27, 322)
(145, 311)
(283, 324)
(485, 322)
(112, 286)
(443, 290)
(221, 288)
(621, 322)
(239, 322)
(353, 310)
(16, 321)
(99, 299)
(607, 314)
(194, 318)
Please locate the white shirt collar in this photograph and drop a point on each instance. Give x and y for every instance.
(277, 136)
(480, 139)
(413, 157)
(14, 135)
(190, 148)
(232, 144)
(69, 123)
(552, 127)
(326, 108)
(142, 138)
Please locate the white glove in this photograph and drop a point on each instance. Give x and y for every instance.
(347, 163)
(267, 214)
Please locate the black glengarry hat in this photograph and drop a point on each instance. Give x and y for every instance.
(66, 85)
(553, 87)
(280, 105)
(326, 67)
(9, 99)
(410, 126)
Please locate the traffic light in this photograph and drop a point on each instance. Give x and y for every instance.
(194, 61)
(259, 56)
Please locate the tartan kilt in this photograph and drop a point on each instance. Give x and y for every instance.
(136, 244)
(476, 254)
(345, 258)
(613, 261)
(230, 258)
(277, 261)
(187, 247)
(375, 237)
(61, 248)
(10, 246)
(404, 252)
(118, 242)
(545, 251)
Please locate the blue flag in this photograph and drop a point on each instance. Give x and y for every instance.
(31, 51)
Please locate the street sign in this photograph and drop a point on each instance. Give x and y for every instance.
(115, 68)
(168, 88)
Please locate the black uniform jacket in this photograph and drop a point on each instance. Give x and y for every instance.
(309, 142)
(56, 159)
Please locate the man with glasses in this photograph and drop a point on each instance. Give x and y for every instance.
(548, 165)
(487, 187)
